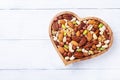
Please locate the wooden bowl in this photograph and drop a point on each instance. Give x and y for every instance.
(80, 19)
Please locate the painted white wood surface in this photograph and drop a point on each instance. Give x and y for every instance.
(36, 4)
(27, 53)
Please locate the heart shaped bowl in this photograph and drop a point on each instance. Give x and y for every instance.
(76, 39)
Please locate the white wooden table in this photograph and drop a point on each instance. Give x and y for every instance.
(26, 52)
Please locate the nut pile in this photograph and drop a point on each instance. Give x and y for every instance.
(78, 39)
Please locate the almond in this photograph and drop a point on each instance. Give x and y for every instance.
(89, 36)
(60, 37)
(78, 33)
(74, 43)
(61, 50)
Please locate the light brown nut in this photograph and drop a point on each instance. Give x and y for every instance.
(78, 33)
(78, 55)
(70, 24)
(85, 54)
(94, 46)
(61, 49)
(60, 37)
(74, 43)
(62, 21)
(95, 42)
(89, 36)
(61, 44)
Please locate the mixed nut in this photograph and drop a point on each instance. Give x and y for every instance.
(78, 39)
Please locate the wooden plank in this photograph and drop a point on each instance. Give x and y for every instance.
(59, 74)
(33, 24)
(40, 54)
(35, 4)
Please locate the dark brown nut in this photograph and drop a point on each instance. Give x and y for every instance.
(75, 29)
(68, 39)
(67, 16)
(81, 31)
(95, 42)
(82, 24)
(70, 24)
(78, 55)
(79, 27)
(69, 54)
(60, 17)
(88, 45)
(106, 35)
(82, 41)
(55, 26)
(94, 46)
(97, 32)
(56, 43)
(73, 47)
(61, 50)
(61, 44)
(76, 38)
(85, 54)
(64, 54)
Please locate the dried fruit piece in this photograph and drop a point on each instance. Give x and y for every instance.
(100, 25)
(63, 26)
(79, 50)
(66, 46)
(85, 32)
